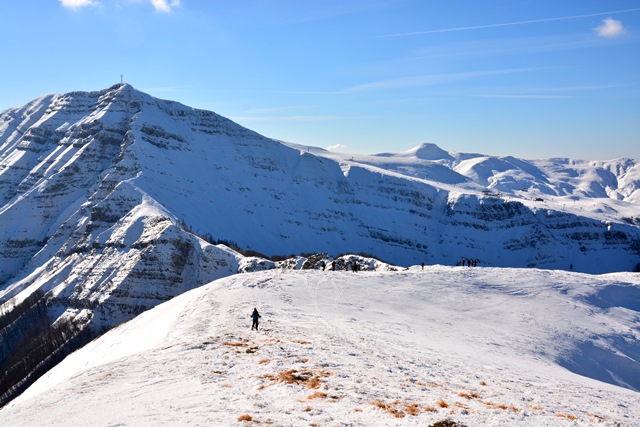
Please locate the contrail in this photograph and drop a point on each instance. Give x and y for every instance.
(507, 24)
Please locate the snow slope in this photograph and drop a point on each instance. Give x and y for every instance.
(480, 346)
(113, 201)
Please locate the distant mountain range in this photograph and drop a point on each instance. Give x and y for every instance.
(114, 201)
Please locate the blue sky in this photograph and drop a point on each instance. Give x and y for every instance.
(532, 79)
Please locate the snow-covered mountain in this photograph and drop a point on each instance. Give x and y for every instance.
(103, 197)
(99, 155)
(476, 346)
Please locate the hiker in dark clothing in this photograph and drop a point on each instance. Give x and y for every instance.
(255, 316)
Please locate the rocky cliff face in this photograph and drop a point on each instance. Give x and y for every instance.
(77, 232)
(74, 222)
(103, 194)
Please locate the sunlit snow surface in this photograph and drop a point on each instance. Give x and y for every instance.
(480, 346)
(99, 191)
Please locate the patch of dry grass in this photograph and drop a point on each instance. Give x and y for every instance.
(235, 344)
(245, 417)
(469, 395)
(412, 409)
(104, 377)
(389, 407)
(401, 409)
(317, 395)
(492, 405)
(306, 378)
(599, 418)
(567, 416)
(322, 395)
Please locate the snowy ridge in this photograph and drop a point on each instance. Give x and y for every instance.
(479, 346)
(112, 202)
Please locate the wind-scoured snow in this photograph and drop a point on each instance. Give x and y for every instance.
(479, 346)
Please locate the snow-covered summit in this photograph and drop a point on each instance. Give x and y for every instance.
(424, 151)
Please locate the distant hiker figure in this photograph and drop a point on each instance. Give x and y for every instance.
(422, 265)
(333, 266)
(255, 316)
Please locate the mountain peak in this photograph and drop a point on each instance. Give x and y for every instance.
(114, 89)
(427, 151)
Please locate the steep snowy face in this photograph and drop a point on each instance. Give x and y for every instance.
(75, 225)
(82, 246)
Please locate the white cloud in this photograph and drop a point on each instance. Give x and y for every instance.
(75, 4)
(610, 28)
(165, 5)
(337, 147)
